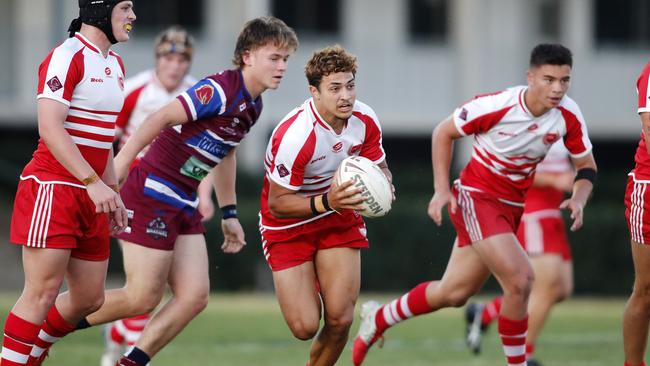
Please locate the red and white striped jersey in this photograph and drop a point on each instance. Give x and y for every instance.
(77, 74)
(509, 141)
(549, 198)
(145, 95)
(641, 172)
(304, 153)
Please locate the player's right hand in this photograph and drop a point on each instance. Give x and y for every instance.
(344, 196)
(439, 200)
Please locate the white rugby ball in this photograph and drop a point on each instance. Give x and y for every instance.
(367, 175)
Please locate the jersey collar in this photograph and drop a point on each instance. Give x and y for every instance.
(91, 46)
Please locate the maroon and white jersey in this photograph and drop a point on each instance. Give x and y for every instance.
(77, 74)
(304, 153)
(144, 95)
(641, 172)
(549, 198)
(509, 141)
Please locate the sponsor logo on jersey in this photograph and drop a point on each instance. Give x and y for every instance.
(204, 94)
(195, 168)
(354, 149)
(502, 133)
(463, 114)
(205, 142)
(318, 159)
(337, 147)
(108, 71)
(551, 137)
(282, 170)
(54, 84)
(96, 80)
(157, 228)
(533, 127)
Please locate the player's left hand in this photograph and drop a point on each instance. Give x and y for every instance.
(233, 235)
(118, 219)
(576, 209)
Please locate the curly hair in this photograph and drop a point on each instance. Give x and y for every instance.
(260, 31)
(327, 61)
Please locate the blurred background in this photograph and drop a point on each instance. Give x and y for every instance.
(418, 60)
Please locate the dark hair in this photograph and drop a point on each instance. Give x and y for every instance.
(329, 60)
(260, 31)
(550, 54)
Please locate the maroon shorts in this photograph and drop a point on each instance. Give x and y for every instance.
(294, 246)
(636, 212)
(155, 219)
(544, 232)
(60, 216)
(480, 215)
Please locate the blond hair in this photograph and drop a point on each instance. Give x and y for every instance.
(260, 31)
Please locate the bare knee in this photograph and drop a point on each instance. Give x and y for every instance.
(303, 329)
(144, 301)
(642, 292)
(458, 297)
(42, 298)
(340, 322)
(520, 284)
(194, 299)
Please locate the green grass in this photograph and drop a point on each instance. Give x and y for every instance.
(248, 329)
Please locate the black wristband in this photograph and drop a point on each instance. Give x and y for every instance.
(229, 211)
(586, 173)
(312, 205)
(326, 204)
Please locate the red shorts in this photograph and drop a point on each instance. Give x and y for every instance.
(294, 246)
(60, 216)
(480, 215)
(544, 232)
(154, 221)
(637, 212)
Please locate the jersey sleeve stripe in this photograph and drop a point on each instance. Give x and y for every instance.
(483, 123)
(302, 159)
(372, 146)
(74, 75)
(575, 139)
(188, 105)
(42, 73)
(278, 135)
(222, 95)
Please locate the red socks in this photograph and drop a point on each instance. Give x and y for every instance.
(19, 336)
(54, 328)
(407, 306)
(513, 338)
(491, 311)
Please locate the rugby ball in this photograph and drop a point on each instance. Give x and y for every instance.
(369, 177)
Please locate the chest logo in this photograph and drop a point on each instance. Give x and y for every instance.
(550, 138)
(107, 71)
(533, 127)
(337, 147)
(204, 93)
(54, 84)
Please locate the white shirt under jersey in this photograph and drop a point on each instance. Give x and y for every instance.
(509, 141)
(145, 94)
(304, 153)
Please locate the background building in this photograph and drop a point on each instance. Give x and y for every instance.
(419, 59)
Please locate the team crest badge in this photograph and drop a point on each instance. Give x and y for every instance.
(54, 84)
(550, 138)
(283, 171)
(157, 229)
(463, 114)
(204, 93)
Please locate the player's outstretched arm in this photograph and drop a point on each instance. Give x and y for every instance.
(224, 180)
(442, 143)
(582, 189)
(170, 115)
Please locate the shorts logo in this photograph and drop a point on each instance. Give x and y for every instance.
(463, 114)
(242, 107)
(550, 138)
(107, 71)
(282, 170)
(157, 228)
(204, 94)
(54, 84)
(337, 147)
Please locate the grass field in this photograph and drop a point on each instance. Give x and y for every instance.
(249, 330)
